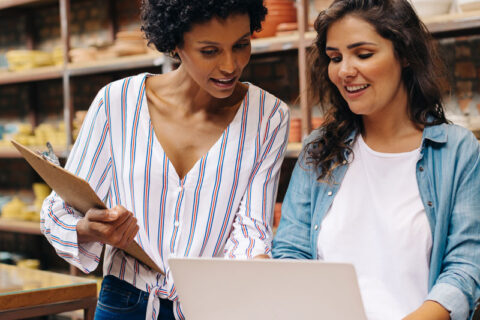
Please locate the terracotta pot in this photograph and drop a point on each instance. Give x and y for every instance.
(317, 122)
(268, 2)
(277, 214)
(269, 26)
(295, 134)
(285, 7)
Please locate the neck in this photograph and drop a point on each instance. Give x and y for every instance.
(391, 132)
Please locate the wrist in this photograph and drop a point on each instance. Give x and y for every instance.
(82, 232)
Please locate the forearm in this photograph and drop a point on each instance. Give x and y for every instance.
(429, 310)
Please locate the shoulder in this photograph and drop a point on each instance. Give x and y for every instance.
(121, 86)
(454, 136)
(264, 99)
(453, 144)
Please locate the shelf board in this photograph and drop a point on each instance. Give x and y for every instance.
(262, 45)
(42, 73)
(4, 4)
(12, 153)
(117, 64)
(454, 24)
(20, 226)
(280, 43)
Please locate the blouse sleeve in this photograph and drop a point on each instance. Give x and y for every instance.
(89, 159)
(252, 227)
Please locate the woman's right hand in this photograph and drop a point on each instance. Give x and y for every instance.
(116, 226)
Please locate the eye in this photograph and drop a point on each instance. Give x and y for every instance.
(208, 52)
(242, 45)
(335, 59)
(365, 55)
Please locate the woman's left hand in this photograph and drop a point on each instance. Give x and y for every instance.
(429, 310)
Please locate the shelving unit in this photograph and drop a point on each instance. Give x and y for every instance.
(442, 26)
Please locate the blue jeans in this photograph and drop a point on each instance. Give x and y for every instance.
(119, 300)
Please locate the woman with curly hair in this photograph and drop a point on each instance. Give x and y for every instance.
(386, 183)
(187, 161)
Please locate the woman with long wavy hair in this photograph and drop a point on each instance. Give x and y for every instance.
(386, 183)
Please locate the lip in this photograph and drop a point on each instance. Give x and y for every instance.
(224, 85)
(353, 95)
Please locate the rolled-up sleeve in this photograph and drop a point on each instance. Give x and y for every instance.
(457, 287)
(89, 159)
(252, 227)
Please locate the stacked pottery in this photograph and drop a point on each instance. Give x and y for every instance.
(279, 11)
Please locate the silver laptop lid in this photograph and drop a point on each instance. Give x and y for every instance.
(214, 288)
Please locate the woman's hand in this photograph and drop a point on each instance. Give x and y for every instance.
(429, 310)
(116, 226)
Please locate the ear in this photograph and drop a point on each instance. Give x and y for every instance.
(405, 63)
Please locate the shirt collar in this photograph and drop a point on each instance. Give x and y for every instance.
(436, 133)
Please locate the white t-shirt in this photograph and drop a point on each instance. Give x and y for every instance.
(377, 222)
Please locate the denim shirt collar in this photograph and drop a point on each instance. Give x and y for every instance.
(436, 133)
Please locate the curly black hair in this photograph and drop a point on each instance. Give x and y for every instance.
(166, 21)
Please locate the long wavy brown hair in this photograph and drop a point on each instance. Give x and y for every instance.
(396, 21)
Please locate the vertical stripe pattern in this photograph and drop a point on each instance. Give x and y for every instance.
(222, 207)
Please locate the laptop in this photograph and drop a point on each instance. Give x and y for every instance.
(215, 288)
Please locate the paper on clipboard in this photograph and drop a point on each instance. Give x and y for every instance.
(76, 192)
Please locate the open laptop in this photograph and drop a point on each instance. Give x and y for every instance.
(214, 289)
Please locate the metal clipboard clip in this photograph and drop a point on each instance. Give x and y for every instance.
(49, 155)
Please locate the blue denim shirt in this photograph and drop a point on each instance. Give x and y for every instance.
(448, 177)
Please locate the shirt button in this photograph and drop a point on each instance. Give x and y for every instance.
(179, 189)
(344, 162)
(421, 169)
(430, 204)
(315, 227)
(176, 223)
(330, 193)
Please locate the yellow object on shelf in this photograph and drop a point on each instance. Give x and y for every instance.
(41, 191)
(29, 263)
(28, 59)
(14, 209)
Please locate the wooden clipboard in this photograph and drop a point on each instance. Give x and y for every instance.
(76, 192)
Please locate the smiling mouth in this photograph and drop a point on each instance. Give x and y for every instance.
(225, 81)
(355, 89)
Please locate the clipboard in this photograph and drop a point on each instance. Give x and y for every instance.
(76, 192)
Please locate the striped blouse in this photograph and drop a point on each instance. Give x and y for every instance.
(222, 207)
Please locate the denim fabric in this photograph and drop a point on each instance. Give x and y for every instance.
(448, 177)
(119, 300)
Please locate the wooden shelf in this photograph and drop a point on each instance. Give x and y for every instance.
(280, 43)
(117, 64)
(20, 226)
(454, 25)
(12, 153)
(263, 45)
(37, 74)
(4, 4)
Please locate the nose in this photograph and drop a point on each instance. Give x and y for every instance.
(228, 63)
(347, 69)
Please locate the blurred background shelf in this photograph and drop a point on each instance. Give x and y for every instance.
(5, 4)
(454, 24)
(37, 74)
(28, 227)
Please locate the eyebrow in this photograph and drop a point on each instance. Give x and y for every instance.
(351, 46)
(214, 43)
